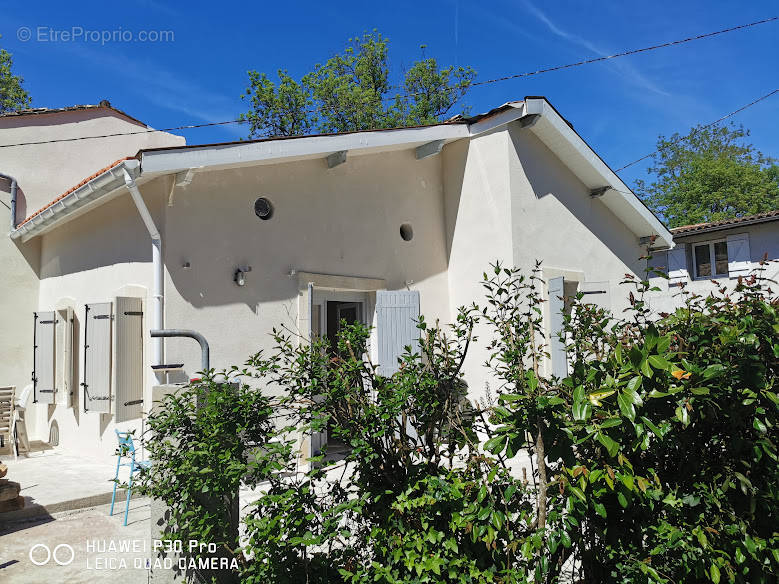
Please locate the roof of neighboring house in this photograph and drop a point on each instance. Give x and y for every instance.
(75, 188)
(686, 230)
(36, 111)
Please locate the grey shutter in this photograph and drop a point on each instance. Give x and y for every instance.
(556, 346)
(397, 314)
(597, 293)
(44, 381)
(65, 356)
(739, 263)
(97, 358)
(129, 358)
(677, 264)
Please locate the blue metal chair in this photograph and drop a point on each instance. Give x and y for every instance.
(126, 450)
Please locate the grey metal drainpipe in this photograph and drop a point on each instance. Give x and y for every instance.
(13, 198)
(205, 354)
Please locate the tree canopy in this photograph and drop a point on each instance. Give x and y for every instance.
(710, 174)
(12, 95)
(352, 91)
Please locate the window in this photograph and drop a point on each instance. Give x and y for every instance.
(711, 259)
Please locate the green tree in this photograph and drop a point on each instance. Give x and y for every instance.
(709, 175)
(352, 91)
(12, 95)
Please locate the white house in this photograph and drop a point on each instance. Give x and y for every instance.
(233, 239)
(707, 256)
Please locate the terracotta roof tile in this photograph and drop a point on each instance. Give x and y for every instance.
(713, 225)
(76, 187)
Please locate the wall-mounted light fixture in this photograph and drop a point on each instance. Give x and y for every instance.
(240, 275)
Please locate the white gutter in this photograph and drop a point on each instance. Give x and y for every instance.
(158, 268)
(102, 187)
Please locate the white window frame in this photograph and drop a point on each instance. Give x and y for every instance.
(714, 274)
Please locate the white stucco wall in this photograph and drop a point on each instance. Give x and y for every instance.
(343, 221)
(43, 172)
(763, 240)
(516, 202)
(46, 170)
(94, 258)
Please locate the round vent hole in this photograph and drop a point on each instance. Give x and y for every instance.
(406, 232)
(263, 208)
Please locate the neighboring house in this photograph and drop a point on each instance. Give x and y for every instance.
(234, 239)
(36, 149)
(707, 256)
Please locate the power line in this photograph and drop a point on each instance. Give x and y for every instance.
(709, 125)
(474, 84)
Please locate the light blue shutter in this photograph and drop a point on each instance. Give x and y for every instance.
(739, 262)
(677, 264)
(397, 314)
(556, 345)
(44, 381)
(97, 371)
(129, 358)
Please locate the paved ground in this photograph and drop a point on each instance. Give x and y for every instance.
(89, 532)
(59, 481)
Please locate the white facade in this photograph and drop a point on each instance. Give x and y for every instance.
(516, 185)
(714, 256)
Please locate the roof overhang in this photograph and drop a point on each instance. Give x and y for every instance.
(557, 134)
(97, 191)
(534, 114)
(237, 154)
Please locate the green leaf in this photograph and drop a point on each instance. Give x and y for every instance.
(611, 446)
(626, 406)
(714, 571)
(758, 425)
(578, 493)
(495, 444)
(700, 390)
(659, 362)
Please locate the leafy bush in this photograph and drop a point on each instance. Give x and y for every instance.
(654, 459)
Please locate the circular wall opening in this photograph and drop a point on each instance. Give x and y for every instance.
(263, 208)
(406, 232)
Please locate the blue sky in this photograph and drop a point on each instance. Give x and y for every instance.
(619, 106)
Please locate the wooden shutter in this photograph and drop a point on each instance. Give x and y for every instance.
(129, 358)
(556, 345)
(739, 263)
(65, 357)
(597, 293)
(97, 357)
(44, 366)
(677, 264)
(397, 314)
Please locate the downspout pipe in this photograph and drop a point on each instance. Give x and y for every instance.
(14, 186)
(158, 268)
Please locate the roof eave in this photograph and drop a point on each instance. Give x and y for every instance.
(77, 202)
(558, 135)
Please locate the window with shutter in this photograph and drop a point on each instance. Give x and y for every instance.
(44, 381)
(557, 352)
(397, 314)
(97, 357)
(739, 260)
(129, 358)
